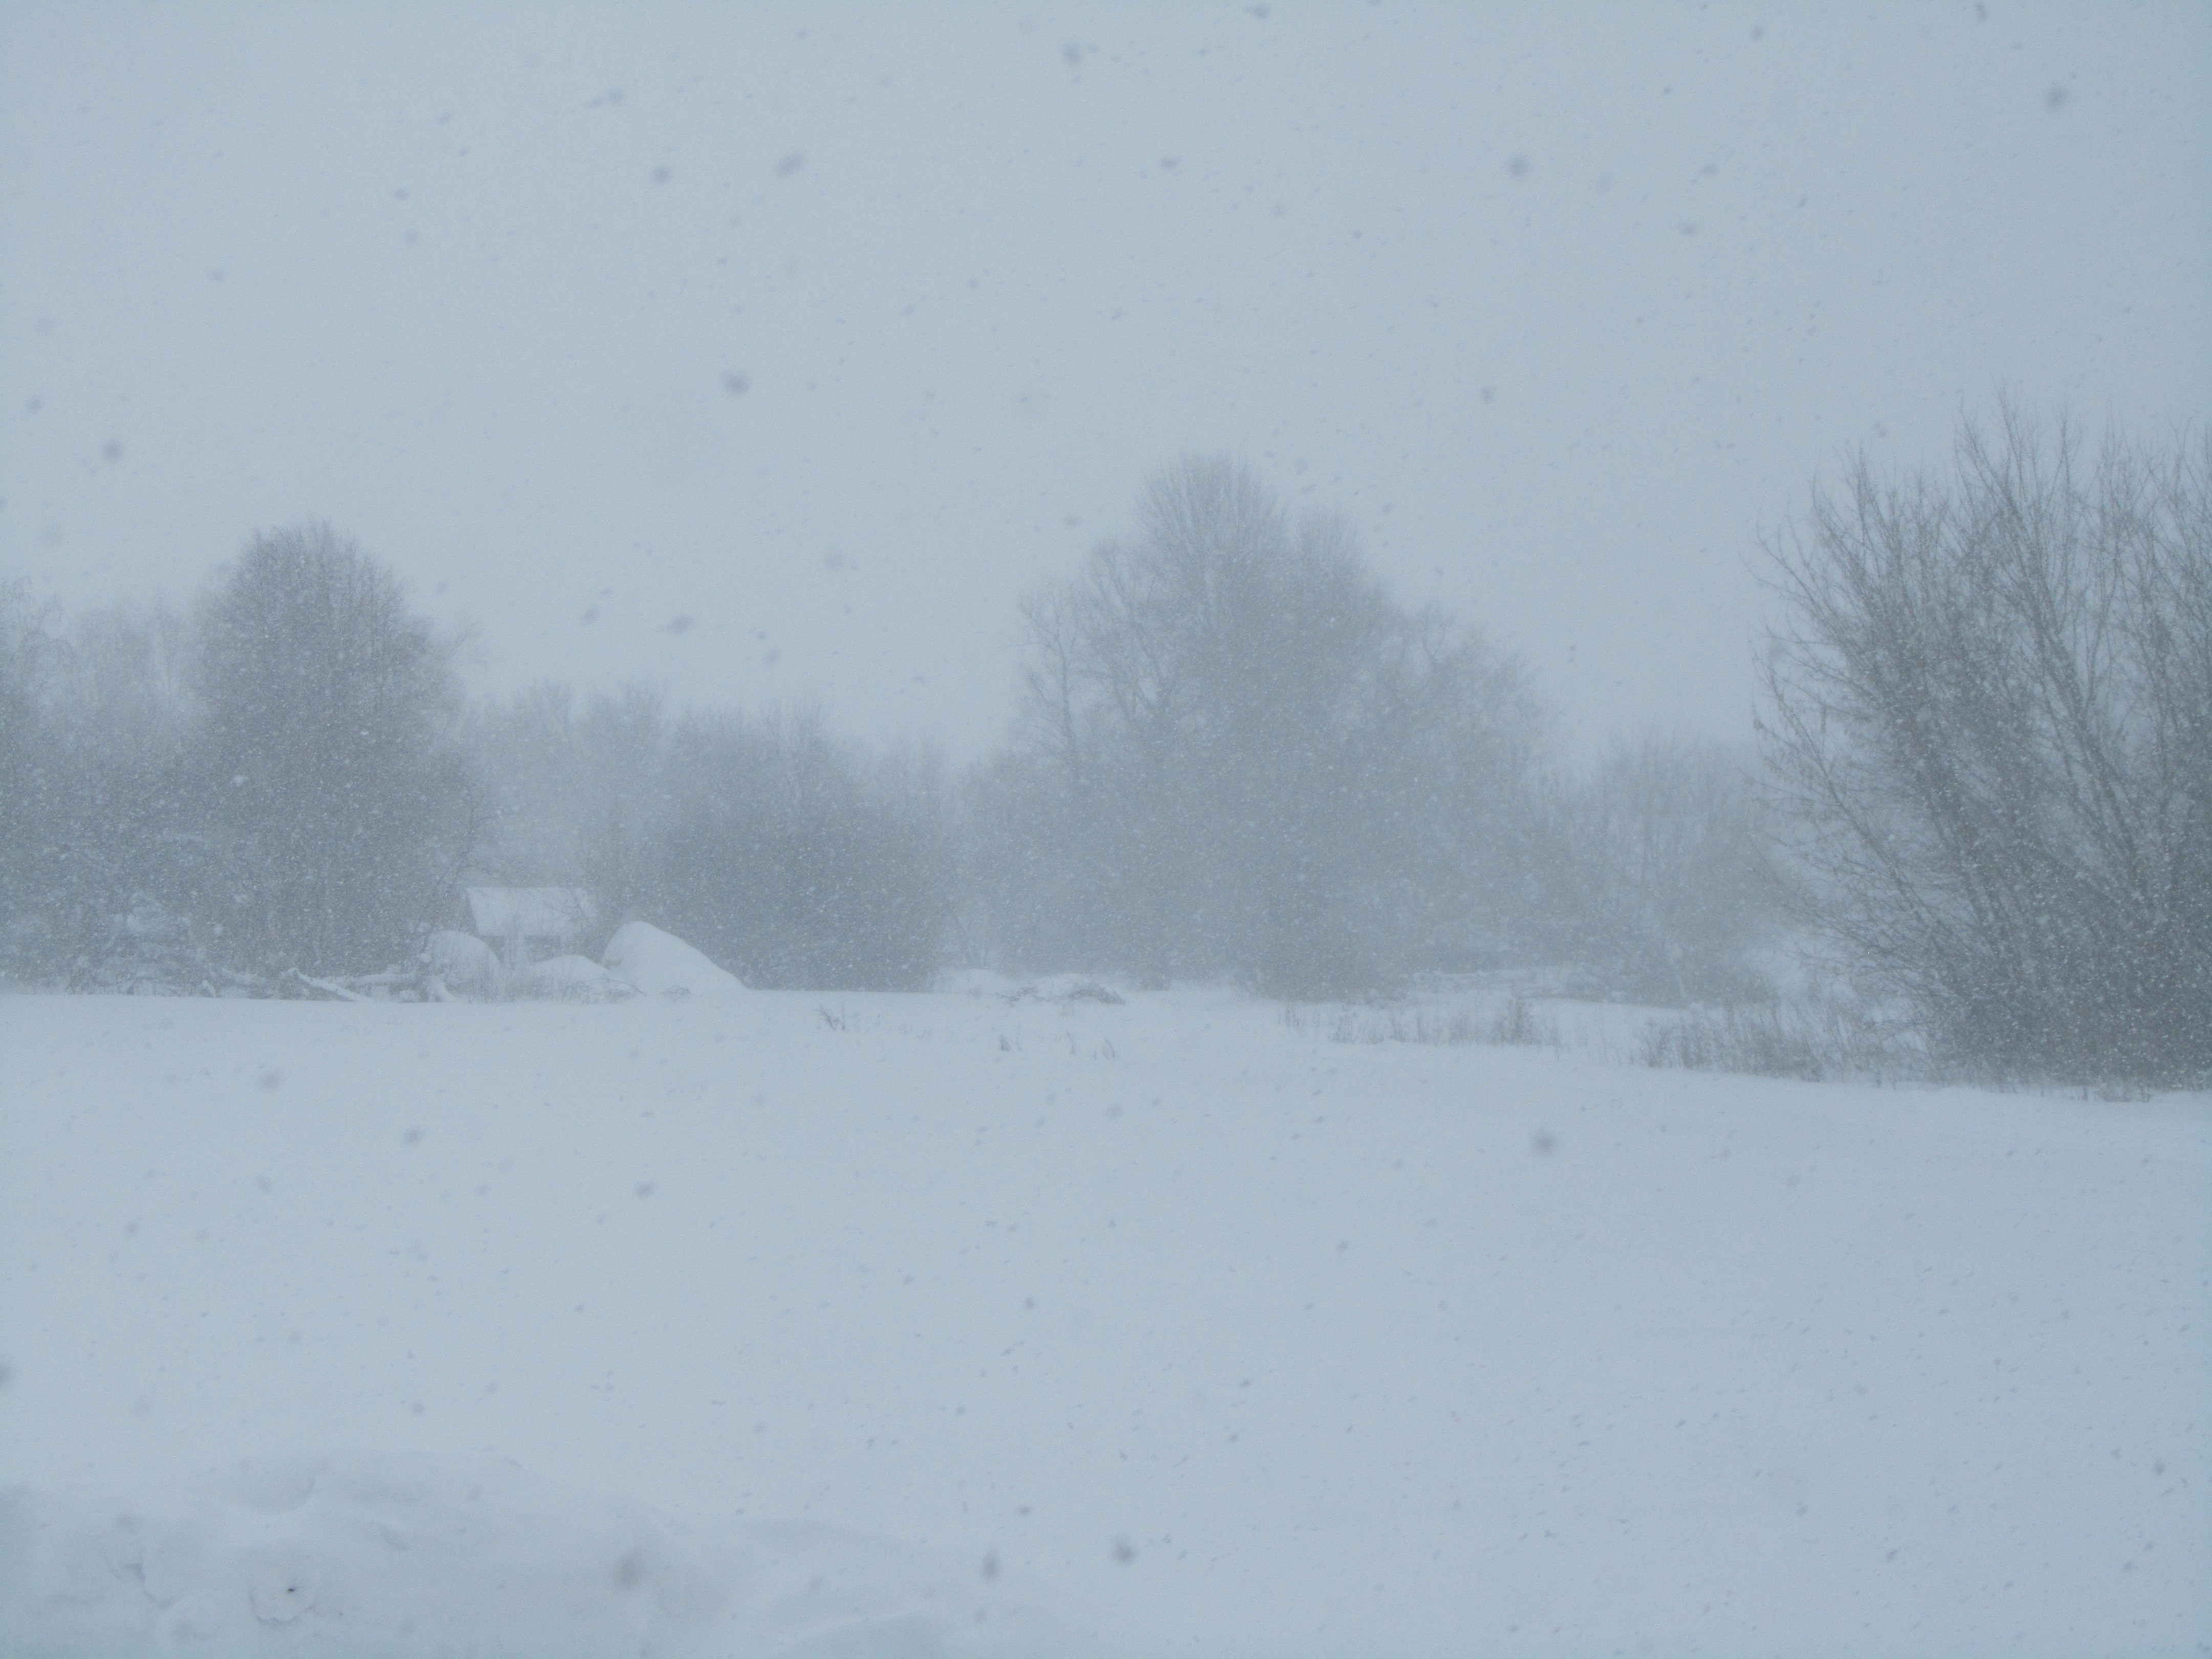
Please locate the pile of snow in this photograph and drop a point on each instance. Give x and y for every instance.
(571, 979)
(374, 1554)
(463, 961)
(662, 965)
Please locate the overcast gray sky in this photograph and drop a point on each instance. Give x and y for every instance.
(775, 351)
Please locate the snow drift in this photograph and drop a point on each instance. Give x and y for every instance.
(661, 964)
(371, 1555)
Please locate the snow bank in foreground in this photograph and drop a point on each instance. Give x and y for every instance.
(1274, 1345)
(375, 1555)
(660, 964)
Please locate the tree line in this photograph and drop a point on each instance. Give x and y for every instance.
(1983, 782)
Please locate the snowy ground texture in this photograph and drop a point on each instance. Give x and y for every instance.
(870, 1325)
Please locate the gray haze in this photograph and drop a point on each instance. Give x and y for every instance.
(775, 354)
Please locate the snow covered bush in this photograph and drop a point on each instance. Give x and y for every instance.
(569, 979)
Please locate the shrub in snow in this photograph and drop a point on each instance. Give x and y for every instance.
(660, 964)
(1064, 988)
(151, 950)
(575, 979)
(977, 983)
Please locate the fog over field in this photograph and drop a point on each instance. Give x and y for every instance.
(773, 352)
(863, 832)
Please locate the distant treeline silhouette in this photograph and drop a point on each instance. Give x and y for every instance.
(1985, 787)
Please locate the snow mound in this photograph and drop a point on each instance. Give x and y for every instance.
(661, 964)
(372, 1554)
(464, 961)
(575, 979)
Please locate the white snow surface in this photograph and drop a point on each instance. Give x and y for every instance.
(1144, 1329)
(381, 1554)
(660, 964)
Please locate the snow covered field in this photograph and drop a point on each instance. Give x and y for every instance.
(904, 1325)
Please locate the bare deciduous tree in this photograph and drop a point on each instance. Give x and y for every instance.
(93, 722)
(1655, 875)
(796, 859)
(31, 777)
(1237, 750)
(1989, 714)
(569, 783)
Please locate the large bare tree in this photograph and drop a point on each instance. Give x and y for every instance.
(1989, 711)
(1239, 754)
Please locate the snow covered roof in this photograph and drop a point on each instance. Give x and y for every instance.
(527, 912)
